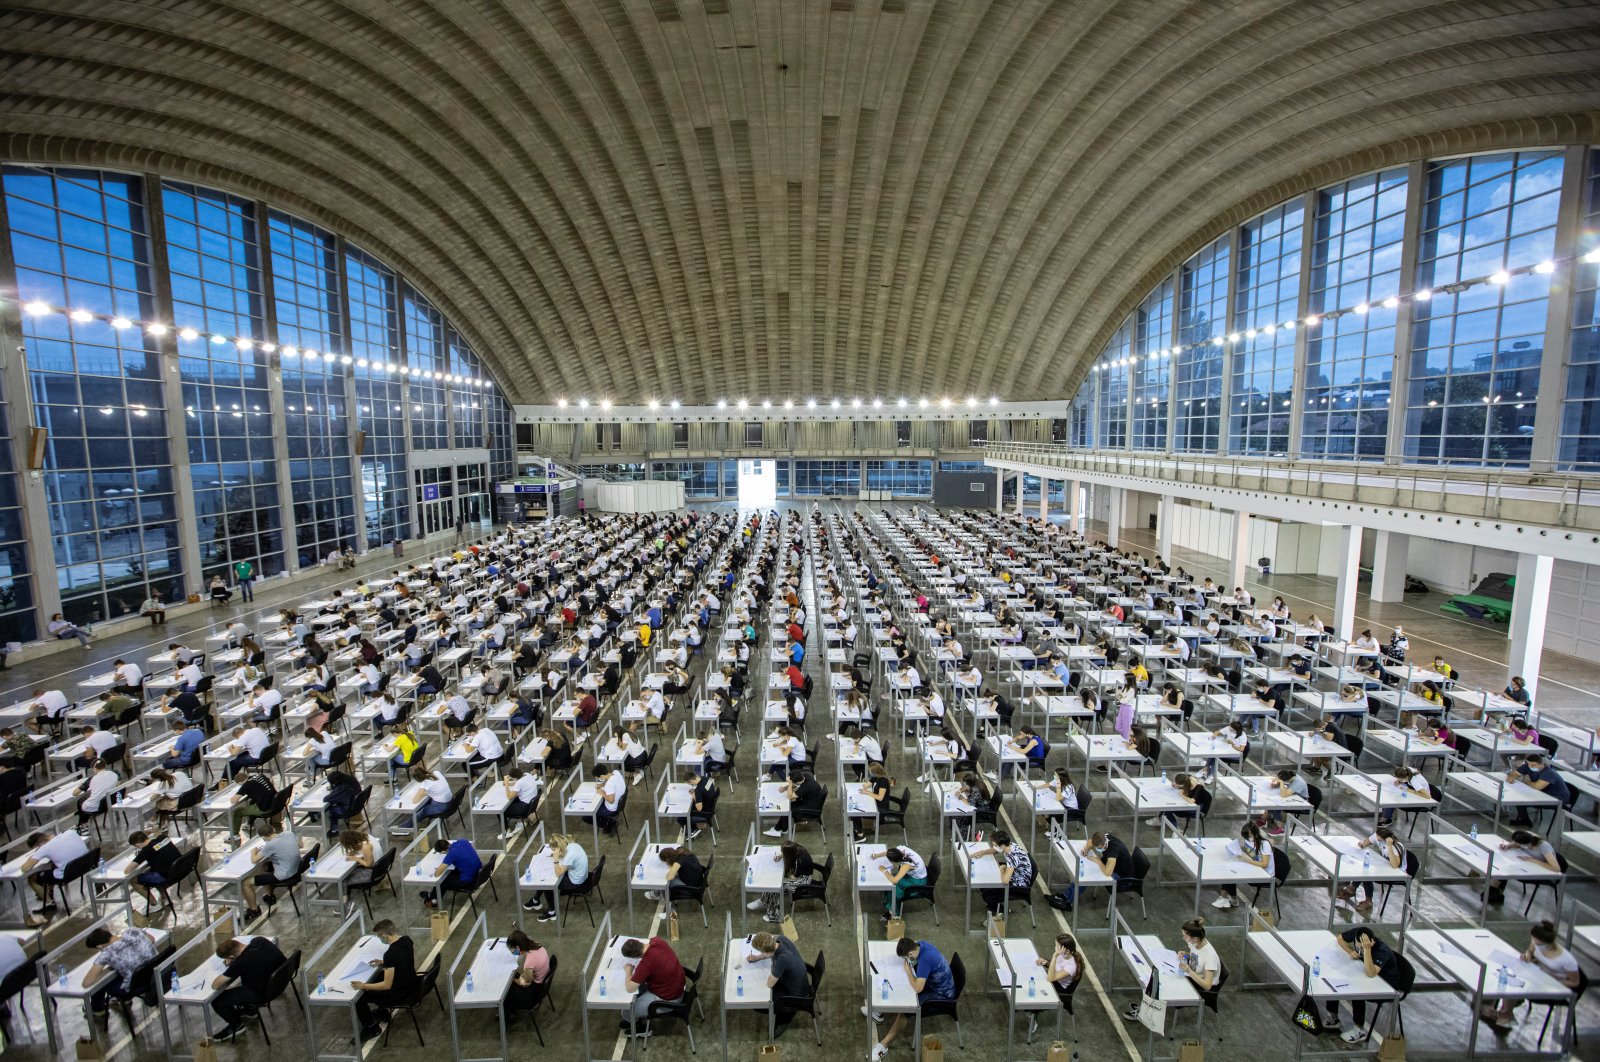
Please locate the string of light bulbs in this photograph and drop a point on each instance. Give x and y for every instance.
(1499, 278)
(970, 402)
(157, 330)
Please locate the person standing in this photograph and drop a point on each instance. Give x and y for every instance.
(244, 573)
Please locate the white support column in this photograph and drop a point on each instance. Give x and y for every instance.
(1531, 596)
(1164, 517)
(1389, 566)
(1238, 556)
(1021, 505)
(1114, 517)
(1075, 504)
(999, 489)
(1044, 498)
(1344, 594)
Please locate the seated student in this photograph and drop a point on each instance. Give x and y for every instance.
(1016, 869)
(907, 870)
(1029, 745)
(790, 747)
(654, 973)
(396, 981)
(1544, 950)
(806, 795)
(686, 875)
(256, 795)
(1530, 847)
(712, 749)
(279, 860)
(186, 744)
(613, 787)
(158, 855)
(344, 796)
(459, 870)
(559, 758)
(930, 978)
(1290, 786)
(1252, 848)
(123, 954)
(624, 746)
(252, 965)
(322, 745)
(265, 703)
(93, 794)
(1535, 771)
(49, 854)
(48, 706)
(406, 751)
(61, 630)
(1198, 961)
(522, 793)
(1192, 792)
(1517, 690)
(1377, 960)
(1387, 847)
(530, 983)
(485, 745)
(364, 849)
(572, 870)
(248, 746)
(96, 743)
(1108, 853)
(434, 799)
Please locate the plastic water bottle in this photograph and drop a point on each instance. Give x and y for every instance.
(883, 992)
(1472, 831)
(750, 875)
(863, 873)
(1316, 966)
(469, 982)
(1366, 860)
(322, 985)
(102, 867)
(1033, 989)
(61, 974)
(738, 986)
(638, 872)
(1503, 978)
(602, 986)
(173, 983)
(1164, 781)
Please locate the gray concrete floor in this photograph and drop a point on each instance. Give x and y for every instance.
(1252, 1023)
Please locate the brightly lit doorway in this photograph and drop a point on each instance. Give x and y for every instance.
(758, 484)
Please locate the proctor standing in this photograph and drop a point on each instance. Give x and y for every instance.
(244, 573)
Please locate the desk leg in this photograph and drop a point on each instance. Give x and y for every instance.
(722, 1012)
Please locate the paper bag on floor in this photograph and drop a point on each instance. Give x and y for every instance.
(790, 930)
(1060, 1051)
(90, 1051)
(769, 1053)
(1393, 1049)
(932, 1049)
(1191, 1051)
(672, 926)
(205, 1050)
(894, 929)
(439, 926)
(1262, 920)
(997, 926)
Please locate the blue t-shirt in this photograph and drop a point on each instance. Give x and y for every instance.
(797, 653)
(1557, 786)
(188, 741)
(465, 859)
(577, 861)
(935, 972)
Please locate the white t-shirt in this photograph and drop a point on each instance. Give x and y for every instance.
(488, 744)
(716, 749)
(919, 869)
(437, 788)
(255, 740)
(613, 789)
(1558, 966)
(52, 702)
(61, 849)
(129, 674)
(102, 741)
(100, 784)
(1206, 960)
(526, 788)
(188, 675)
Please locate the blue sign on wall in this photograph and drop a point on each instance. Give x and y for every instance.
(430, 492)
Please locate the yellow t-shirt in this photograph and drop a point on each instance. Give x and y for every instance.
(644, 635)
(405, 746)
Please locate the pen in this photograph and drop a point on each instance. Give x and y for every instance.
(873, 966)
(1329, 984)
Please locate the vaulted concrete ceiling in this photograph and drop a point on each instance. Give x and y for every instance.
(699, 198)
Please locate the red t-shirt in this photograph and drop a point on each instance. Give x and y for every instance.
(795, 633)
(588, 708)
(659, 971)
(797, 678)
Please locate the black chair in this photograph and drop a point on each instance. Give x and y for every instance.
(1531, 888)
(1134, 881)
(925, 891)
(1280, 873)
(1549, 1010)
(1208, 996)
(188, 800)
(382, 868)
(15, 983)
(1065, 994)
(1017, 894)
(815, 889)
(806, 1004)
(1412, 864)
(799, 815)
(292, 882)
(427, 983)
(1357, 745)
(1314, 798)
(946, 1008)
(1081, 812)
(683, 893)
(485, 877)
(547, 994)
(277, 983)
(452, 808)
(340, 753)
(77, 870)
(290, 970)
(186, 865)
(590, 884)
(142, 985)
(895, 813)
(1405, 979)
(357, 810)
(681, 1009)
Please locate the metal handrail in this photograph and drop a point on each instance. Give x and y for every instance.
(1411, 486)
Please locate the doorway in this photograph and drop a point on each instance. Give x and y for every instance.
(758, 484)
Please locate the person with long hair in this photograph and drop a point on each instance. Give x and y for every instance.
(1062, 969)
(1252, 848)
(1386, 845)
(1544, 950)
(528, 985)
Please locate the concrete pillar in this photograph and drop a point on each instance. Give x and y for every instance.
(1164, 518)
(1239, 553)
(1348, 571)
(1044, 498)
(1020, 502)
(1075, 505)
(1528, 604)
(1389, 566)
(1114, 517)
(999, 489)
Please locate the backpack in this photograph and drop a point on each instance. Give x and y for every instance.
(1308, 1017)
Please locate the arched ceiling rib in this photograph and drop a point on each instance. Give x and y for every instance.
(705, 198)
